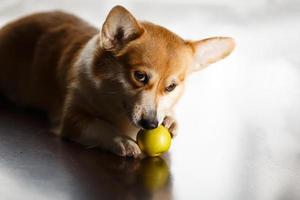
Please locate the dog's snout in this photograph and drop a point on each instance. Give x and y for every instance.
(148, 120)
(148, 123)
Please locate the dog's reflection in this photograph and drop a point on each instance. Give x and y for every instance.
(98, 173)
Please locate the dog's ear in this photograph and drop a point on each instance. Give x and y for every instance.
(119, 28)
(210, 50)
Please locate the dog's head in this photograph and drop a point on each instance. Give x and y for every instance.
(151, 63)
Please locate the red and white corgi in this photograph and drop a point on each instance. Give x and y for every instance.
(100, 88)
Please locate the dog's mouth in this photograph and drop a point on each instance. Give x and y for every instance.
(129, 115)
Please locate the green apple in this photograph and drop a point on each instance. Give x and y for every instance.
(154, 142)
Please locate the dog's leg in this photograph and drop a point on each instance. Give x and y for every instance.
(94, 132)
(170, 123)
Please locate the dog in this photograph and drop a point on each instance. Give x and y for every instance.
(100, 87)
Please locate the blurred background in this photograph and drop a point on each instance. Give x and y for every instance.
(239, 119)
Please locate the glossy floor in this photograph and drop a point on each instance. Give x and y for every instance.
(34, 164)
(37, 165)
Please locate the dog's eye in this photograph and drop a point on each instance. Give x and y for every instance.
(171, 87)
(141, 77)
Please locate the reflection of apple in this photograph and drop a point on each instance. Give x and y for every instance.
(154, 142)
(153, 173)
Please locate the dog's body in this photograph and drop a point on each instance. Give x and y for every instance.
(100, 88)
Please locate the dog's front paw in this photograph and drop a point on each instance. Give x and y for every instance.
(126, 147)
(171, 124)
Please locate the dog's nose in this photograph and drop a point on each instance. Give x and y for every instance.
(148, 124)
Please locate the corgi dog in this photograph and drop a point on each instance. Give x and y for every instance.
(100, 87)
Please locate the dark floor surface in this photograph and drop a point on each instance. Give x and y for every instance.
(34, 164)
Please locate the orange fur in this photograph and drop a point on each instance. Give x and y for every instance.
(84, 78)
